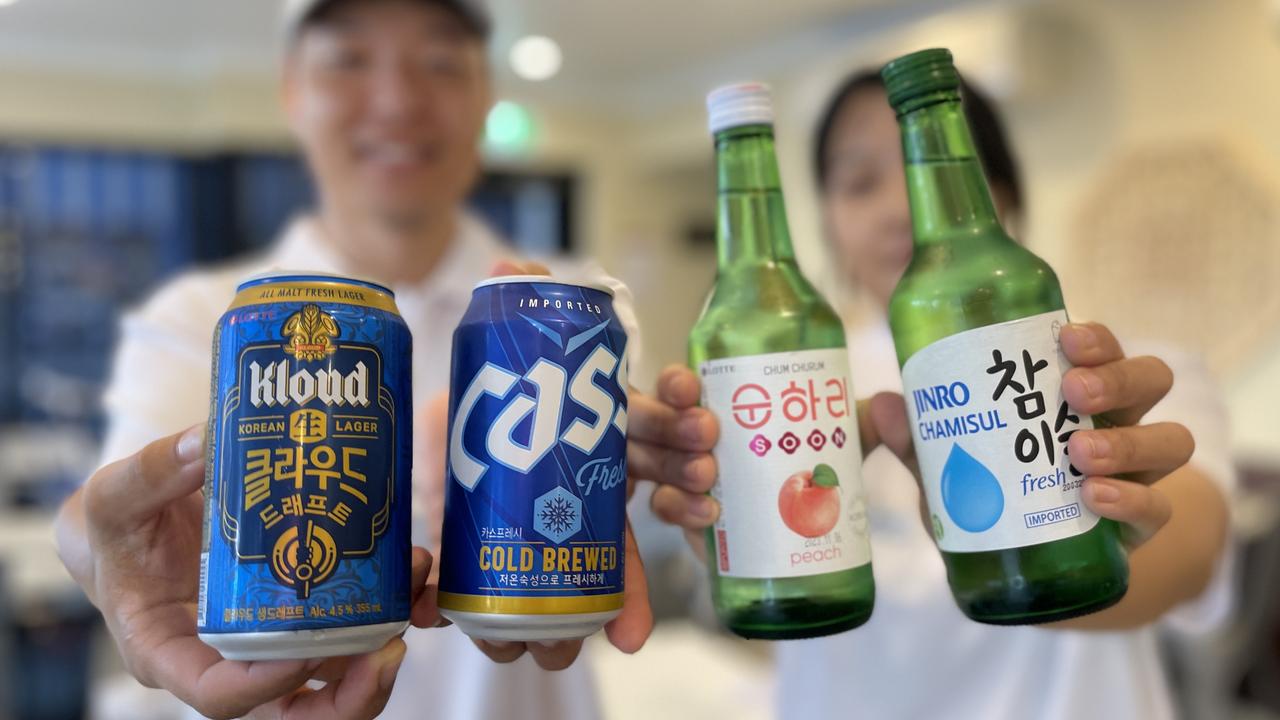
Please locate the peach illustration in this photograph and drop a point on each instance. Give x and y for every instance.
(809, 501)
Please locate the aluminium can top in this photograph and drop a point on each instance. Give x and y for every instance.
(275, 276)
(542, 280)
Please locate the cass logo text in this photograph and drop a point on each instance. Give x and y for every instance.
(554, 390)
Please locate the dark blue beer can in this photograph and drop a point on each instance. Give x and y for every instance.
(535, 498)
(306, 548)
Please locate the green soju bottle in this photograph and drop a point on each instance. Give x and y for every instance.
(975, 320)
(789, 556)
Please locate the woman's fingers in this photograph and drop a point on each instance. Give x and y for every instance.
(653, 421)
(888, 414)
(1144, 453)
(692, 471)
(686, 509)
(1143, 510)
(1089, 344)
(678, 387)
(1122, 391)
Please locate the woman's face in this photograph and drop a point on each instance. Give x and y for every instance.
(864, 199)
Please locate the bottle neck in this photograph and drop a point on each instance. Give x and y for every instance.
(752, 224)
(950, 199)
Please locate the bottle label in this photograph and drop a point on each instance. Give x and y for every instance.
(990, 427)
(790, 487)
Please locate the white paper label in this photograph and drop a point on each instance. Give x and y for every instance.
(790, 487)
(990, 427)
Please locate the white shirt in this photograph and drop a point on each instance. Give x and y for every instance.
(160, 385)
(920, 657)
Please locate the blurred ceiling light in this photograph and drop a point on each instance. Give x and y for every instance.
(534, 57)
(7, 2)
(509, 128)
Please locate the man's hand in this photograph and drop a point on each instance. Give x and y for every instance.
(131, 537)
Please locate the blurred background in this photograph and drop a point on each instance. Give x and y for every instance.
(140, 137)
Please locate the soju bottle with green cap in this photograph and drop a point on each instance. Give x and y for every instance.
(975, 320)
(789, 556)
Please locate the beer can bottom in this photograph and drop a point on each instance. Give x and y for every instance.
(303, 644)
(522, 628)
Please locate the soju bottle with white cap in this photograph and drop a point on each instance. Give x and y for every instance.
(788, 556)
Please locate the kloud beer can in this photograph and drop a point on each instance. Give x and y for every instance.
(535, 503)
(306, 548)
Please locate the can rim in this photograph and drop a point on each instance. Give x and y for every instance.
(543, 280)
(265, 276)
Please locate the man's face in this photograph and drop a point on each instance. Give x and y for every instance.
(388, 98)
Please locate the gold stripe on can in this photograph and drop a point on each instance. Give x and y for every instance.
(530, 605)
(313, 291)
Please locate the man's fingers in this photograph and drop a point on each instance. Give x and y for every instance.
(420, 568)
(332, 669)
(629, 631)
(556, 655)
(1142, 509)
(685, 509)
(426, 609)
(424, 612)
(692, 429)
(360, 694)
(1089, 344)
(421, 614)
(218, 688)
(518, 267)
(695, 472)
(678, 387)
(1145, 453)
(1123, 391)
(500, 652)
(142, 484)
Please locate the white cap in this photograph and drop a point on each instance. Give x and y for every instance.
(740, 104)
(296, 12)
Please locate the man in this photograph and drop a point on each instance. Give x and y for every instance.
(388, 100)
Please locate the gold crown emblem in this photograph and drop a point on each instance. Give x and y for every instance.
(310, 332)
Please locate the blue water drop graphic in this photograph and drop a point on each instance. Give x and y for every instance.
(971, 494)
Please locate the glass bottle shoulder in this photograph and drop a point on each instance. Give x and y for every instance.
(952, 287)
(761, 309)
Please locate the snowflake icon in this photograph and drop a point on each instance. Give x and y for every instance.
(557, 515)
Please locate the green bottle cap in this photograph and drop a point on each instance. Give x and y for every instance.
(918, 74)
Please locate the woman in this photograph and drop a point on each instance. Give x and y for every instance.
(919, 656)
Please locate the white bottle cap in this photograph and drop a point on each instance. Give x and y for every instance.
(739, 104)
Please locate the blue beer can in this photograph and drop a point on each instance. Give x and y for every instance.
(306, 549)
(535, 499)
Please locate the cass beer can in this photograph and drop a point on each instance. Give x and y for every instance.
(535, 499)
(306, 546)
